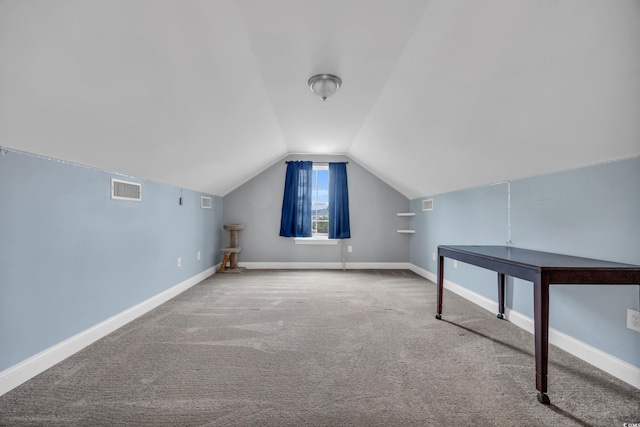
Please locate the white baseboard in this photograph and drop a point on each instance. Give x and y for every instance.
(422, 272)
(598, 358)
(325, 265)
(29, 368)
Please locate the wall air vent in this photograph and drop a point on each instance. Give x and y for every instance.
(124, 190)
(205, 202)
(427, 205)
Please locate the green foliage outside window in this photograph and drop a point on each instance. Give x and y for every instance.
(322, 225)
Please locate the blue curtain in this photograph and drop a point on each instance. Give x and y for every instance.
(296, 203)
(338, 202)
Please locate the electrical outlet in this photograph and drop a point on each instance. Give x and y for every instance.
(433, 256)
(455, 263)
(349, 248)
(179, 262)
(198, 255)
(633, 319)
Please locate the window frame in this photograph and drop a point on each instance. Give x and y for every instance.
(317, 238)
(315, 203)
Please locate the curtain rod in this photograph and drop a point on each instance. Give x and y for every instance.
(289, 161)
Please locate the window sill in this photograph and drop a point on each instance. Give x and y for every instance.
(314, 241)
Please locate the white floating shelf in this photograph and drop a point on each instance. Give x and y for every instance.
(406, 231)
(407, 214)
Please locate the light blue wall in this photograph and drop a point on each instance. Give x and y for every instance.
(591, 212)
(70, 257)
(469, 217)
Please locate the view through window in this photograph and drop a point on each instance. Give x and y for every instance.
(320, 201)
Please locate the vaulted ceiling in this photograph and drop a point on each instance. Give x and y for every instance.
(438, 95)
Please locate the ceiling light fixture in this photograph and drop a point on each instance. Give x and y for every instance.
(324, 85)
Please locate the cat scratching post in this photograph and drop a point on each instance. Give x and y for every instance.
(231, 253)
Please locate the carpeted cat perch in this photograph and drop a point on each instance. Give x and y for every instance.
(231, 253)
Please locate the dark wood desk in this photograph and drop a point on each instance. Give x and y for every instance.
(543, 269)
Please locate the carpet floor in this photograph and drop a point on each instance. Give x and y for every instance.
(317, 348)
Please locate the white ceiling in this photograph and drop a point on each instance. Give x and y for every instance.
(437, 95)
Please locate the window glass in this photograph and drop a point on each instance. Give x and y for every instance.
(320, 201)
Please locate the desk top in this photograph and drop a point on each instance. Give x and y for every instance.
(538, 260)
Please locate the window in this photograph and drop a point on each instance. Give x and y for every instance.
(320, 201)
(315, 203)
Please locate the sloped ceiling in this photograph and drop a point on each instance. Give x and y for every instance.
(437, 95)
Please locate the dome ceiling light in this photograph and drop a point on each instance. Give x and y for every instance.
(324, 85)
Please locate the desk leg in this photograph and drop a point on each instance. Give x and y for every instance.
(440, 286)
(500, 296)
(541, 331)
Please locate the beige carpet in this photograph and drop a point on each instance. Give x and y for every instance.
(317, 348)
